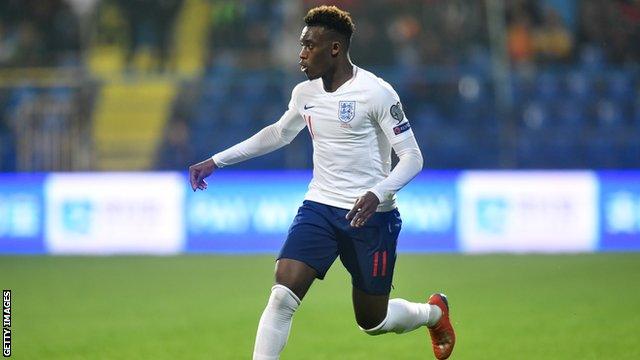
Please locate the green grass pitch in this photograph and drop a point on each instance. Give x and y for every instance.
(207, 307)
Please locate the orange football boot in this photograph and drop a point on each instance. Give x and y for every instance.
(443, 338)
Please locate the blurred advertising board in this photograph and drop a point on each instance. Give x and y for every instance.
(244, 211)
(619, 211)
(252, 211)
(114, 213)
(21, 213)
(428, 209)
(528, 211)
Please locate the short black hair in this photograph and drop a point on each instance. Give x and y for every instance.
(331, 18)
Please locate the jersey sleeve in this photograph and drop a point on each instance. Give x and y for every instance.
(291, 122)
(390, 115)
(409, 165)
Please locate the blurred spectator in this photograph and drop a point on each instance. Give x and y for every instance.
(150, 23)
(520, 39)
(412, 33)
(241, 32)
(553, 41)
(613, 26)
(38, 33)
(629, 11)
(176, 150)
(372, 21)
(404, 31)
(464, 28)
(7, 147)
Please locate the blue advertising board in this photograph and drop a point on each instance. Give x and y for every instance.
(21, 213)
(250, 212)
(243, 211)
(619, 211)
(428, 207)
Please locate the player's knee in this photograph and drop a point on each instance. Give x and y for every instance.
(370, 317)
(367, 323)
(282, 298)
(371, 323)
(371, 327)
(295, 276)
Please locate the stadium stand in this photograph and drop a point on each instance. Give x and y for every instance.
(573, 84)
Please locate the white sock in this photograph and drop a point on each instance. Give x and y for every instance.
(404, 316)
(275, 323)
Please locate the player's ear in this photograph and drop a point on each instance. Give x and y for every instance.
(336, 47)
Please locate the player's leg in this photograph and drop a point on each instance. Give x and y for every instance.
(376, 314)
(370, 256)
(293, 279)
(402, 316)
(370, 310)
(308, 252)
(295, 275)
(371, 266)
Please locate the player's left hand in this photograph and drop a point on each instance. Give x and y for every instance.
(362, 210)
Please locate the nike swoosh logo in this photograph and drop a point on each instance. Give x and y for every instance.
(308, 107)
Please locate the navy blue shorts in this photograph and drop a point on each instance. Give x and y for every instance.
(320, 233)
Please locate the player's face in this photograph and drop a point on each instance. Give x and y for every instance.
(315, 55)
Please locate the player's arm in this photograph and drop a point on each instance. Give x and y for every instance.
(265, 141)
(398, 131)
(409, 165)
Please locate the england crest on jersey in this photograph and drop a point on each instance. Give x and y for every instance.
(346, 111)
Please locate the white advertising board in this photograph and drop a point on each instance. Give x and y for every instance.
(528, 211)
(112, 213)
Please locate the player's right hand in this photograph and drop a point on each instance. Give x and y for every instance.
(362, 210)
(199, 171)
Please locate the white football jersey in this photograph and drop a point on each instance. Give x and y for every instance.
(353, 129)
